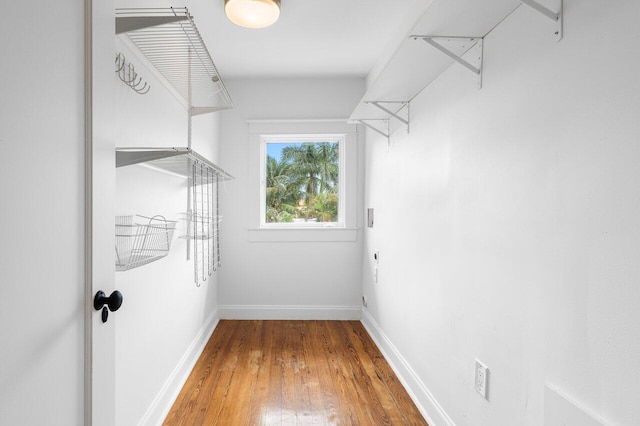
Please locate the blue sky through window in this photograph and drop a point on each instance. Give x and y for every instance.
(275, 149)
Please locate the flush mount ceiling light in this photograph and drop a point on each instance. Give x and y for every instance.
(252, 13)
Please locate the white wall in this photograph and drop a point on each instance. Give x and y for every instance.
(275, 279)
(164, 312)
(42, 215)
(508, 222)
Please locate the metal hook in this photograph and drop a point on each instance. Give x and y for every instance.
(131, 76)
(128, 75)
(141, 91)
(135, 84)
(120, 60)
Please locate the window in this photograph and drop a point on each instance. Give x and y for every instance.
(263, 136)
(302, 180)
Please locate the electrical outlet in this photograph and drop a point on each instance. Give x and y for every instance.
(375, 275)
(481, 381)
(364, 301)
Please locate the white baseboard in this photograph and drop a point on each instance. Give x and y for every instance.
(289, 312)
(433, 413)
(163, 401)
(562, 409)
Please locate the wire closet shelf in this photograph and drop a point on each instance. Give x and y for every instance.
(141, 240)
(175, 160)
(169, 39)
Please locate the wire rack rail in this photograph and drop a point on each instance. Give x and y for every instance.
(201, 224)
(141, 240)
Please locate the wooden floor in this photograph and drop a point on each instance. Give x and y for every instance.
(292, 373)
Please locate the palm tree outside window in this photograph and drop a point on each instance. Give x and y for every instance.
(302, 180)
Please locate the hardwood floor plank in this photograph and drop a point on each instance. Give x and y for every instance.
(327, 389)
(292, 373)
(222, 373)
(197, 390)
(238, 393)
(272, 409)
(292, 392)
(378, 380)
(395, 389)
(259, 403)
(367, 404)
(378, 391)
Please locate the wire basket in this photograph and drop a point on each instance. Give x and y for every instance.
(195, 226)
(141, 240)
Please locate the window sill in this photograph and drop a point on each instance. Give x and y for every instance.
(303, 234)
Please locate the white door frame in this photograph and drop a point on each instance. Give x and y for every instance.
(99, 354)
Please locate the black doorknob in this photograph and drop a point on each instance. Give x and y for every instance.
(113, 303)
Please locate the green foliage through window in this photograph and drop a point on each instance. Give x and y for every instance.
(302, 182)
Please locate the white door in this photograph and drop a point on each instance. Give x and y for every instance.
(42, 255)
(100, 210)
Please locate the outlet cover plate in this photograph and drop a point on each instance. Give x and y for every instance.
(481, 379)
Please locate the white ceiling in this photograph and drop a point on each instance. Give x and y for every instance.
(312, 38)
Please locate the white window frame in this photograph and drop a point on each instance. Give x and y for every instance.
(304, 138)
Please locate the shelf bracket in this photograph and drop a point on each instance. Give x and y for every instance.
(396, 114)
(473, 41)
(556, 17)
(367, 122)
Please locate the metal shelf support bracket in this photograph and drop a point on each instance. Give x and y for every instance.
(554, 16)
(367, 122)
(396, 114)
(473, 41)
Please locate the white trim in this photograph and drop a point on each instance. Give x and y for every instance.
(167, 395)
(88, 214)
(289, 312)
(432, 411)
(560, 407)
(260, 127)
(328, 234)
